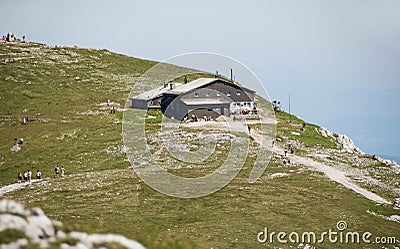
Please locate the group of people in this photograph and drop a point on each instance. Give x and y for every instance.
(112, 108)
(8, 60)
(17, 144)
(25, 120)
(10, 37)
(59, 170)
(195, 118)
(19, 141)
(289, 148)
(27, 176)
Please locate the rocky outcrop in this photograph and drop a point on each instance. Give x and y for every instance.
(346, 142)
(348, 145)
(39, 229)
(385, 161)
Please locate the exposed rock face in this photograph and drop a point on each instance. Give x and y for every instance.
(325, 132)
(349, 146)
(39, 229)
(346, 142)
(385, 161)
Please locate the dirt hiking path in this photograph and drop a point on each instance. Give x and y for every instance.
(333, 173)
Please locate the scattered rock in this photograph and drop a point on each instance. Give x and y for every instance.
(385, 161)
(395, 218)
(279, 174)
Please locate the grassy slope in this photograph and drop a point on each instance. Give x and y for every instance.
(100, 194)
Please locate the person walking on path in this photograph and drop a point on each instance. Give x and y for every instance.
(19, 177)
(57, 170)
(62, 170)
(29, 175)
(38, 174)
(25, 176)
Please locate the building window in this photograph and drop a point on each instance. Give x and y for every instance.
(207, 94)
(238, 93)
(228, 93)
(196, 94)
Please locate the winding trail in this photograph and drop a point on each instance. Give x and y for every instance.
(332, 173)
(15, 186)
(339, 177)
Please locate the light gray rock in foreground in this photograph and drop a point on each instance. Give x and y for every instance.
(39, 229)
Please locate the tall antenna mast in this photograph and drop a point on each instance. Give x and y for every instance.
(290, 116)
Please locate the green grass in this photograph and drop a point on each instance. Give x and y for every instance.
(11, 235)
(309, 137)
(101, 195)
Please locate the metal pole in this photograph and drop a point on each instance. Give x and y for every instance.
(290, 116)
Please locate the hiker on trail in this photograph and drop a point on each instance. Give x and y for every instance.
(38, 174)
(248, 127)
(108, 102)
(292, 150)
(19, 177)
(29, 175)
(62, 170)
(25, 176)
(285, 153)
(25, 120)
(23, 38)
(57, 170)
(303, 127)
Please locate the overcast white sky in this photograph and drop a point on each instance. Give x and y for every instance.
(339, 60)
